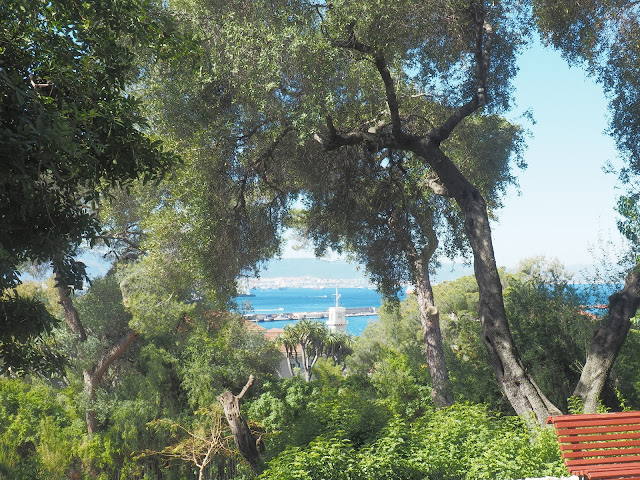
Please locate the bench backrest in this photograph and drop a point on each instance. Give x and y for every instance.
(609, 439)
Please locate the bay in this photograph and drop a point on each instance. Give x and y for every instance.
(292, 300)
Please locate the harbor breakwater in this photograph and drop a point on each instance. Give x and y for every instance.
(270, 317)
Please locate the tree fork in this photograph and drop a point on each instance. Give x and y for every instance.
(94, 374)
(607, 342)
(245, 441)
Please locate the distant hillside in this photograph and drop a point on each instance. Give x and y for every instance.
(311, 267)
(342, 269)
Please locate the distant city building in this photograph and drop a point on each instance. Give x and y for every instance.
(337, 317)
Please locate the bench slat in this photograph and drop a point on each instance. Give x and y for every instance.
(601, 448)
(620, 454)
(593, 416)
(602, 460)
(567, 440)
(613, 473)
(580, 431)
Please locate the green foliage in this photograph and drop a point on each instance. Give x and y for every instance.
(324, 458)
(575, 405)
(42, 426)
(549, 326)
(25, 344)
(462, 442)
(217, 359)
(69, 131)
(625, 374)
(471, 375)
(294, 413)
(400, 386)
(391, 353)
(281, 403)
(38, 430)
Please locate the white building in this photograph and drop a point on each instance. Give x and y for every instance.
(337, 317)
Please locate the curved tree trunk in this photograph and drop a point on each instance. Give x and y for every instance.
(522, 392)
(607, 341)
(520, 389)
(93, 375)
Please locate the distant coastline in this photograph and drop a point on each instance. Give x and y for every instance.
(311, 282)
(319, 273)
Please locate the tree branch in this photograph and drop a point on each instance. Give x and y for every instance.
(71, 315)
(482, 53)
(383, 69)
(436, 187)
(246, 387)
(110, 356)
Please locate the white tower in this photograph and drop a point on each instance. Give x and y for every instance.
(337, 317)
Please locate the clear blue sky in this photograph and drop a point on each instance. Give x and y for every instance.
(566, 201)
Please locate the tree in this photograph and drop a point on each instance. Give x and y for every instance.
(377, 208)
(401, 76)
(70, 130)
(338, 346)
(602, 35)
(244, 439)
(311, 337)
(296, 84)
(109, 338)
(482, 27)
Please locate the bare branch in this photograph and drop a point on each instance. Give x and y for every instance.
(246, 387)
(38, 85)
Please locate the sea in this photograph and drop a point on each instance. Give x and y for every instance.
(276, 301)
(290, 300)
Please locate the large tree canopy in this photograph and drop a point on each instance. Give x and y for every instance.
(68, 132)
(390, 76)
(68, 128)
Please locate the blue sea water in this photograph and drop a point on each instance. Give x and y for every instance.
(290, 300)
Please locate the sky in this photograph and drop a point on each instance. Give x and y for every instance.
(564, 206)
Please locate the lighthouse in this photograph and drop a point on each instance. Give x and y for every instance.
(337, 317)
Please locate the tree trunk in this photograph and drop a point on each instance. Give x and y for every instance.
(519, 388)
(306, 369)
(242, 436)
(522, 392)
(432, 337)
(607, 341)
(94, 374)
(70, 313)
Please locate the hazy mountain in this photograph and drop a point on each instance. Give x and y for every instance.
(342, 269)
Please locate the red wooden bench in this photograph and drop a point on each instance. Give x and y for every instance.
(600, 446)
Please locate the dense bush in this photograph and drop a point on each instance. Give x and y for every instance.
(461, 442)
